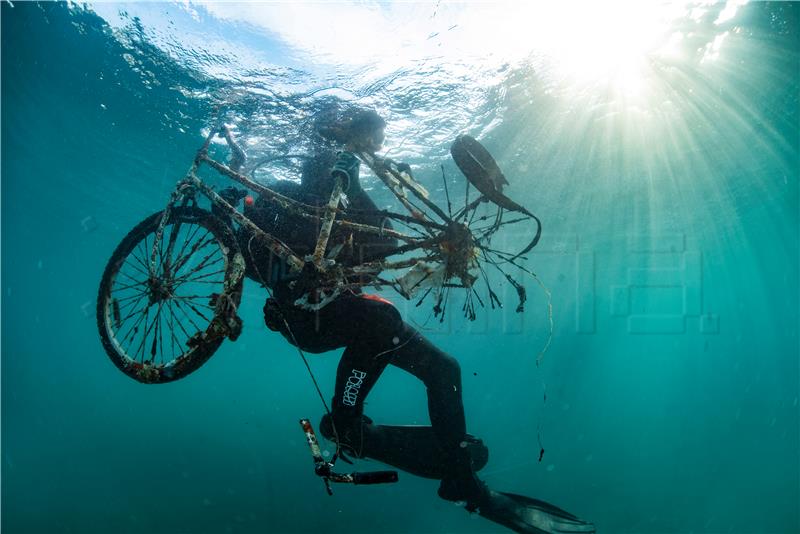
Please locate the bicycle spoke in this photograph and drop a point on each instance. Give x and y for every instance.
(156, 324)
(498, 225)
(125, 308)
(493, 298)
(147, 331)
(187, 239)
(197, 246)
(173, 339)
(180, 324)
(204, 276)
(474, 212)
(143, 295)
(189, 303)
(196, 281)
(133, 266)
(203, 264)
(466, 201)
(138, 284)
(174, 229)
(505, 257)
(185, 313)
(146, 317)
(130, 277)
(143, 260)
(196, 297)
(447, 193)
(422, 234)
(130, 305)
(130, 331)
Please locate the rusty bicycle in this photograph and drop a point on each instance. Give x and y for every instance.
(169, 294)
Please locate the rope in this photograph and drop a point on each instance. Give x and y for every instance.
(297, 346)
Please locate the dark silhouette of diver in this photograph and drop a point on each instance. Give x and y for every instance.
(374, 335)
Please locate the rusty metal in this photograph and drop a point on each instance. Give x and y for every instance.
(392, 177)
(308, 211)
(327, 223)
(447, 242)
(276, 246)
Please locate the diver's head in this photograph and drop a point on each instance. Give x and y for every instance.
(360, 130)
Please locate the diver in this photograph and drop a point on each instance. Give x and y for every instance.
(374, 335)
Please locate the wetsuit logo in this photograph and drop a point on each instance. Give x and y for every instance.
(354, 382)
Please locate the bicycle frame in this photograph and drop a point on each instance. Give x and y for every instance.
(450, 254)
(187, 187)
(449, 242)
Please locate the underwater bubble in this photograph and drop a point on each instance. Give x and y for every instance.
(89, 224)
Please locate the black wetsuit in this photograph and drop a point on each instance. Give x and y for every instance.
(370, 328)
(374, 336)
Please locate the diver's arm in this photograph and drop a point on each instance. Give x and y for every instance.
(238, 157)
(369, 245)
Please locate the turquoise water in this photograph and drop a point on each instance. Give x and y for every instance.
(667, 184)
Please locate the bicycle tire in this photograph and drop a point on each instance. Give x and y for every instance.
(200, 346)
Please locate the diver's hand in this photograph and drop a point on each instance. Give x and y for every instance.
(232, 195)
(400, 167)
(346, 168)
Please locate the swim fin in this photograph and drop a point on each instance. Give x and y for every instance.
(413, 449)
(530, 516)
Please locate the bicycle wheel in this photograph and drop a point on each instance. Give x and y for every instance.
(160, 322)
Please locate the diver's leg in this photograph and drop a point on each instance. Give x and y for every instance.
(441, 375)
(371, 328)
(356, 375)
(358, 371)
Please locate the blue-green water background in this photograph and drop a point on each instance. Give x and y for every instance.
(692, 430)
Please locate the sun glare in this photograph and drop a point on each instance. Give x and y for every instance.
(608, 45)
(605, 43)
